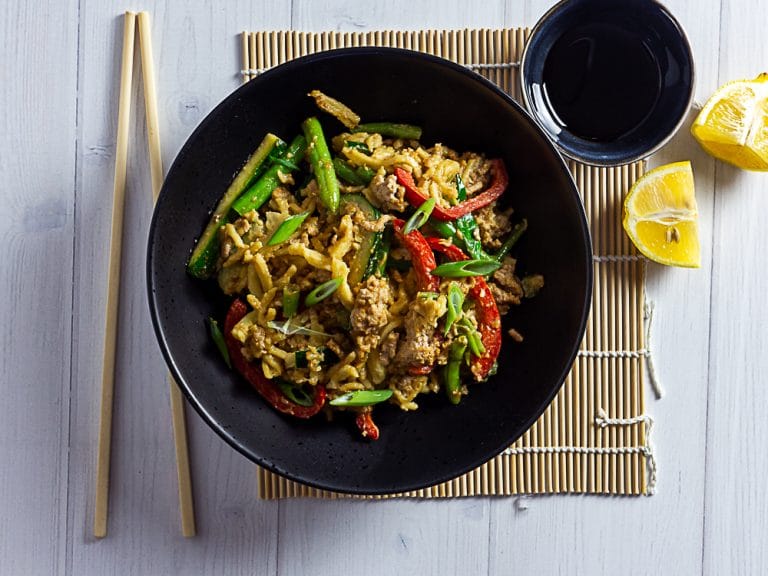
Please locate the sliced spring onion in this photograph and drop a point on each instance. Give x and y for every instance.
(455, 302)
(461, 190)
(287, 228)
(428, 295)
(291, 298)
(295, 393)
(465, 268)
(218, 339)
(288, 328)
(361, 398)
(322, 292)
(283, 162)
(420, 217)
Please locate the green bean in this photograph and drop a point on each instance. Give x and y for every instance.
(391, 129)
(419, 218)
(322, 165)
(291, 297)
(443, 229)
(347, 173)
(455, 302)
(218, 339)
(473, 337)
(465, 268)
(361, 398)
(365, 174)
(453, 369)
(517, 232)
(260, 191)
(322, 292)
(287, 228)
(294, 392)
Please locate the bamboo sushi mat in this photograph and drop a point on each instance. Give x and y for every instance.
(593, 438)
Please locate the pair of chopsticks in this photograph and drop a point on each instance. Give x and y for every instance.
(110, 337)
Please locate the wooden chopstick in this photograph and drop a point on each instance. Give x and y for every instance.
(186, 504)
(113, 282)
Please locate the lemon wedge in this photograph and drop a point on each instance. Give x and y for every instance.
(661, 218)
(733, 125)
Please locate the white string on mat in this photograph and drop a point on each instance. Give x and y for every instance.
(618, 258)
(602, 420)
(473, 66)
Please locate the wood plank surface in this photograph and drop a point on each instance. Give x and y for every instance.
(38, 92)
(58, 89)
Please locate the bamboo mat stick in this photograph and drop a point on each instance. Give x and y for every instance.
(113, 282)
(186, 504)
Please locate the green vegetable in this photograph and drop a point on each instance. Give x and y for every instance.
(206, 252)
(466, 226)
(455, 302)
(295, 393)
(515, 235)
(453, 369)
(419, 218)
(322, 165)
(473, 337)
(365, 173)
(404, 131)
(362, 146)
(218, 339)
(443, 229)
(366, 259)
(464, 268)
(322, 292)
(382, 252)
(287, 228)
(260, 191)
(428, 295)
(291, 297)
(347, 173)
(361, 398)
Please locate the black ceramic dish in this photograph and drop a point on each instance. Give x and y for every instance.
(440, 441)
(610, 82)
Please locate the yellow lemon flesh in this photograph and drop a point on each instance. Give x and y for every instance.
(661, 218)
(733, 125)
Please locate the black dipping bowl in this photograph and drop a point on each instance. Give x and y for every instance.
(440, 441)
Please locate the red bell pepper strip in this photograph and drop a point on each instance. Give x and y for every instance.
(488, 317)
(251, 372)
(422, 258)
(365, 424)
(490, 194)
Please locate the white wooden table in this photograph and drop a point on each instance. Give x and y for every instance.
(58, 93)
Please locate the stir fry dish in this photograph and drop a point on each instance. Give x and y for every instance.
(362, 269)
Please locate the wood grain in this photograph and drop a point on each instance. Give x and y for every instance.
(37, 179)
(56, 159)
(736, 506)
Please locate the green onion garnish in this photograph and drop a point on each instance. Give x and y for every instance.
(455, 302)
(322, 292)
(420, 217)
(287, 228)
(361, 398)
(466, 268)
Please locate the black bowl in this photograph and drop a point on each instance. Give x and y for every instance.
(638, 65)
(440, 441)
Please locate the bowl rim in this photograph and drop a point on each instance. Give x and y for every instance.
(554, 12)
(265, 461)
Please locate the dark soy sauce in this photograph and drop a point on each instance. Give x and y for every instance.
(601, 81)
